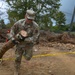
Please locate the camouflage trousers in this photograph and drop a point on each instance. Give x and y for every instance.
(27, 52)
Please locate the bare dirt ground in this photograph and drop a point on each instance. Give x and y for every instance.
(60, 64)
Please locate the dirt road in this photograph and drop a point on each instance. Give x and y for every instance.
(60, 64)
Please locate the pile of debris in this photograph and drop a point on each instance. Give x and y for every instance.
(3, 35)
(65, 37)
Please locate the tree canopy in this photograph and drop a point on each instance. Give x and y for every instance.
(60, 18)
(46, 10)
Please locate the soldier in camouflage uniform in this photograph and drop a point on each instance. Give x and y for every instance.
(26, 46)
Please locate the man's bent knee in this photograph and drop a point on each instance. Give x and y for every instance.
(28, 57)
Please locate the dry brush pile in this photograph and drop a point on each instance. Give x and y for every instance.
(65, 37)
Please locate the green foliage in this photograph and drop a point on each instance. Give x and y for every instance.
(59, 28)
(60, 18)
(2, 24)
(46, 10)
(8, 25)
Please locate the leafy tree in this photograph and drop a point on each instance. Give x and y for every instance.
(46, 10)
(2, 24)
(60, 18)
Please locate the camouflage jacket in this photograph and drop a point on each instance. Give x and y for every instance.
(32, 29)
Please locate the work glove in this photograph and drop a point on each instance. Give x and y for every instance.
(15, 41)
(19, 37)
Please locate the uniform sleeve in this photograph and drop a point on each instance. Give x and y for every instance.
(13, 30)
(35, 36)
